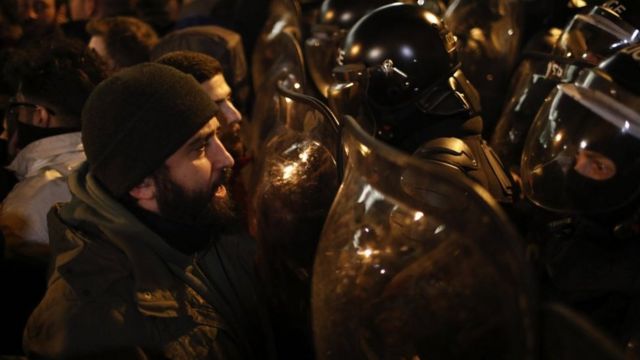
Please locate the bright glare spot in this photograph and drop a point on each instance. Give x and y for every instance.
(626, 126)
(288, 171)
(476, 33)
(355, 50)
(406, 51)
(419, 215)
(366, 252)
(304, 156)
(583, 144)
(296, 86)
(364, 150)
(558, 137)
(346, 17)
(375, 53)
(431, 17)
(510, 32)
(440, 229)
(383, 271)
(329, 15)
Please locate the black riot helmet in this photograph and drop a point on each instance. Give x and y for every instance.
(333, 22)
(409, 71)
(582, 153)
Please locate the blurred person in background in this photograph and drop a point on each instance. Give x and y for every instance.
(122, 41)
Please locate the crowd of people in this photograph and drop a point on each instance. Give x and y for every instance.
(301, 179)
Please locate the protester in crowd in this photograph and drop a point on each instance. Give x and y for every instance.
(54, 81)
(146, 256)
(122, 41)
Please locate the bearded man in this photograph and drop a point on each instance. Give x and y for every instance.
(146, 260)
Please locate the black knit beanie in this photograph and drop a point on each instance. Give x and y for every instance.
(136, 119)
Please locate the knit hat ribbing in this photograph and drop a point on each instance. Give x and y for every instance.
(139, 117)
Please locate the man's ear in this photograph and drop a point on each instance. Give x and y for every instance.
(41, 117)
(145, 191)
(145, 195)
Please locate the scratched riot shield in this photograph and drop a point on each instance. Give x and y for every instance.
(490, 33)
(284, 16)
(417, 263)
(299, 174)
(584, 42)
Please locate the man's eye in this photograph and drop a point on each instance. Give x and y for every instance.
(203, 147)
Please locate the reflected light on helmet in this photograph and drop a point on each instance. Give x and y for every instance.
(346, 17)
(477, 34)
(578, 3)
(375, 53)
(432, 18)
(328, 16)
(407, 51)
(355, 50)
(558, 137)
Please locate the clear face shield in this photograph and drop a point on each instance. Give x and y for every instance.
(284, 63)
(582, 153)
(591, 37)
(416, 263)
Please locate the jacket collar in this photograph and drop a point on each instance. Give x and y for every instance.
(148, 257)
(63, 152)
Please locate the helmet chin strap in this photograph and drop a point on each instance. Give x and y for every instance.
(451, 97)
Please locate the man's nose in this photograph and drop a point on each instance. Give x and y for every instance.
(230, 113)
(30, 13)
(220, 157)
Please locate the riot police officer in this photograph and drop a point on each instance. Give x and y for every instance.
(580, 169)
(411, 93)
(585, 41)
(334, 20)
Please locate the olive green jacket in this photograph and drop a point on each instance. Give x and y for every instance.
(117, 288)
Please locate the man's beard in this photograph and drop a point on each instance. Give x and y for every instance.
(199, 208)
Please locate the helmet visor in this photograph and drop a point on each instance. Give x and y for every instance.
(591, 38)
(582, 153)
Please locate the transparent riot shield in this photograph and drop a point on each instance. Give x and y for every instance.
(298, 176)
(415, 263)
(284, 16)
(534, 79)
(583, 43)
(567, 335)
(286, 64)
(490, 32)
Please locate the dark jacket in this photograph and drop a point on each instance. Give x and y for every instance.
(117, 287)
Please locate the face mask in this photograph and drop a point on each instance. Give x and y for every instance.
(29, 133)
